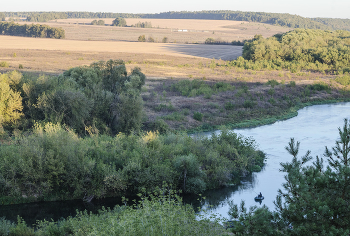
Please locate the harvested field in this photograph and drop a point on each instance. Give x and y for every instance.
(175, 30)
(225, 52)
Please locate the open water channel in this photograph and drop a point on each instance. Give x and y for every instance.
(315, 127)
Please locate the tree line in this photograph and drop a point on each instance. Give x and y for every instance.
(37, 30)
(282, 19)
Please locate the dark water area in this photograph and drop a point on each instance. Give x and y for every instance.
(315, 127)
(32, 212)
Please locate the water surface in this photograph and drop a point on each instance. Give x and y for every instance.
(315, 127)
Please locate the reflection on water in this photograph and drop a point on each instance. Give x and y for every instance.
(315, 127)
(32, 212)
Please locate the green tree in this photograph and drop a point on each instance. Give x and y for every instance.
(315, 200)
(10, 100)
(119, 21)
(142, 38)
(191, 176)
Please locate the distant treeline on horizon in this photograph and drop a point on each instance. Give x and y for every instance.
(282, 19)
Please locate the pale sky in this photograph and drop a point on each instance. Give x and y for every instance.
(306, 8)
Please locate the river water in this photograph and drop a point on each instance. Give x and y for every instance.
(315, 127)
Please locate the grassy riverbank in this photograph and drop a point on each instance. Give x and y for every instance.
(197, 105)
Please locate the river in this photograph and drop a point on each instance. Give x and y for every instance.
(315, 127)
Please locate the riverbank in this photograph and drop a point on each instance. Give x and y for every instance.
(198, 106)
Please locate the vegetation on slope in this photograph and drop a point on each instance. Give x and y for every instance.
(317, 50)
(39, 31)
(102, 96)
(314, 201)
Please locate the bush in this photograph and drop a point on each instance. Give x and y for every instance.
(165, 40)
(343, 80)
(229, 106)
(209, 41)
(142, 38)
(198, 116)
(272, 83)
(20, 66)
(119, 21)
(150, 39)
(5, 226)
(248, 104)
(4, 64)
(319, 87)
(292, 84)
(99, 22)
(161, 126)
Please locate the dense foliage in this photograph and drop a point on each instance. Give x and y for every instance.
(98, 22)
(47, 16)
(299, 49)
(335, 23)
(40, 31)
(101, 97)
(53, 163)
(119, 21)
(282, 19)
(315, 200)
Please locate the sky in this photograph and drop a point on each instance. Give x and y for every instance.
(306, 8)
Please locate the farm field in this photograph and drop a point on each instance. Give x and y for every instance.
(225, 52)
(85, 44)
(196, 31)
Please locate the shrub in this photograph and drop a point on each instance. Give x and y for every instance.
(229, 106)
(20, 66)
(272, 83)
(319, 87)
(150, 39)
(198, 116)
(4, 64)
(209, 41)
(292, 84)
(248, 104)
(165, 40)
(99, 22)
(161, 126)
(119, 22)
(343, 80)
(256, 168)
(142, 38)
(5, 226)
(271, 91)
